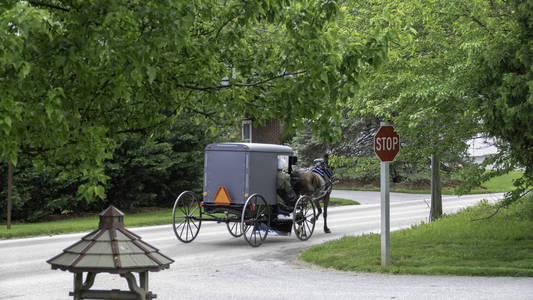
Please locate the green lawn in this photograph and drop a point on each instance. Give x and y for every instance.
(85, 224)
(342, 202)
(503, 183)
(456, 245)
(500, 184)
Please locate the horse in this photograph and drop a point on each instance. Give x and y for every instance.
(317, 183)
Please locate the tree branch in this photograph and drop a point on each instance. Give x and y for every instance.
(476, 20)
(38, 3)
(208, 115)
(43, 53)
(486, 218)
(230, 85)
(223, 25)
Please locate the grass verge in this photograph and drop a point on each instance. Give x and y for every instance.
(503, 183)
(85, 224)
(499, 184)
(342, 202)
(453, 245)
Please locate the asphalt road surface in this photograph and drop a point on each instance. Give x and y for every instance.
(218, 266)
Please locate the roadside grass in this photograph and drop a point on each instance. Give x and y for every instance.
(503, 183)
(86, 224)
(83, 224)
(453, 245)
(342, 202)
(499, 184)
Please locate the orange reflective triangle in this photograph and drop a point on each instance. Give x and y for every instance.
(222, 196)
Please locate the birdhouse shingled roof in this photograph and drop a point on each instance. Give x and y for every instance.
(111, 248)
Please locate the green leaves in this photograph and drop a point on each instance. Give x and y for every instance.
(456, 69)
(79, 76)
(24, 70)
(151, 72)
(7, 122)
(415, 89)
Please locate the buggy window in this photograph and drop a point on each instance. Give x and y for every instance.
(283, 162)
(247, 131)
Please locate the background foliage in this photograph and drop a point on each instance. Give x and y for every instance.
(92, 90)
(143, 172)
(457, 69)
(78, 75)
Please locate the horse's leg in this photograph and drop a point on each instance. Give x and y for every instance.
(326, 202)
(317, 204)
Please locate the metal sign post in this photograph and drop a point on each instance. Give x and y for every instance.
(386, 146)
(385, 214)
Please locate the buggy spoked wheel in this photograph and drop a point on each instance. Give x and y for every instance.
(255, 220)
(235, 228)
(186, 217)
(304, 216)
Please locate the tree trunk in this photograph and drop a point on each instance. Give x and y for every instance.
(436, 194)
(9, 188)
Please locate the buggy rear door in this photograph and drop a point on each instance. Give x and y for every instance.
(227, 169)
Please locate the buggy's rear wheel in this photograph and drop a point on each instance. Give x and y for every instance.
(235, 228)
(304, 217)
(255, 220)
(186, 217)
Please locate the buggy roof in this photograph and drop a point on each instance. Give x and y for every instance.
(250, 147)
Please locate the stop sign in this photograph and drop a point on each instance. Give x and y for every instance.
(386, 143)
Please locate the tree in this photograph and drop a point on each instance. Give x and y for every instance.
(144, 172)
(413, 90)
(416, 89)
(506, 84)
(355, 161)
(350, 152)
(308, 147)
(459, 68)
(76, 75)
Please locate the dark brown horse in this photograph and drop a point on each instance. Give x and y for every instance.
(315, 182)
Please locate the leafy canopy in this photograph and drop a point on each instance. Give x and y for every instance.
(75, 75)
(459, 68)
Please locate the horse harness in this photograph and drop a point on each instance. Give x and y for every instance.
(326, 176)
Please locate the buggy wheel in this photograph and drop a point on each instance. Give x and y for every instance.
(186, 217)
(235, 228)
(304, 216)
(255, 220)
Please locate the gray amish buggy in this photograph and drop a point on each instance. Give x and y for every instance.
(240, 190)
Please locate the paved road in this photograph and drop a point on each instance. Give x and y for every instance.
(217, 266)
(374, 197)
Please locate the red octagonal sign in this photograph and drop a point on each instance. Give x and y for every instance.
(386, 143)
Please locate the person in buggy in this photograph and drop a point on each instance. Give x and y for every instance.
(286, 196)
